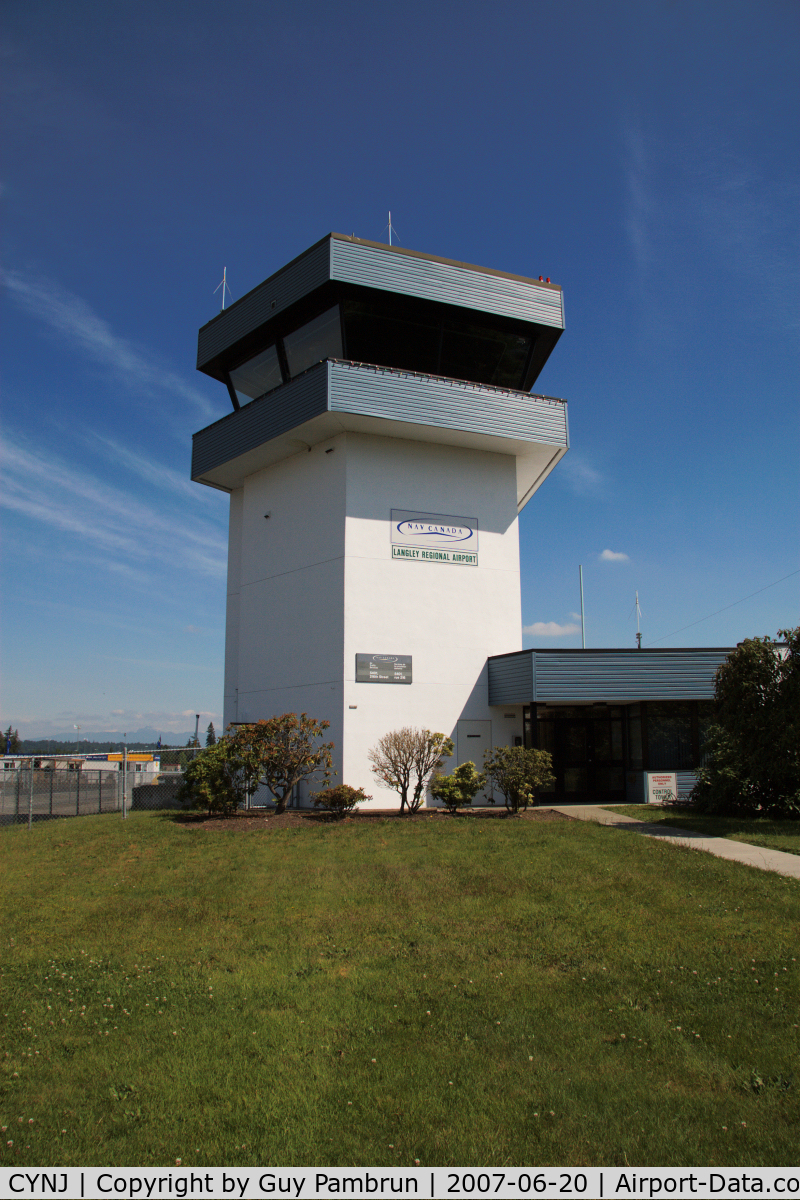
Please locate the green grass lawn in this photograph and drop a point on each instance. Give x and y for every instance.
(757, 831)
(454, 991)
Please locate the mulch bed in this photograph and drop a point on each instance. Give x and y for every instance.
(256, 820)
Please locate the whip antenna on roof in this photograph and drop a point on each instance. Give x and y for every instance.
(224, 286)
(390, 227)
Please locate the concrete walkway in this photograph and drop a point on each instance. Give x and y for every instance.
(754, 856)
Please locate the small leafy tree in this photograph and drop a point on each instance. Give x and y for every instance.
(282, 751)
(459, 788)
(753, 749)
(518, 773)
(214, 780)
(211, 734)
(405, 759)
(340, 799)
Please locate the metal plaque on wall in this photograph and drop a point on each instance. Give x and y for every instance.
(383, 668)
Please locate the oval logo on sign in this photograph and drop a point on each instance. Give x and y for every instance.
(450, 533)
(384, 658)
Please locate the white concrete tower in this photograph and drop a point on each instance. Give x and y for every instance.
(382, 443)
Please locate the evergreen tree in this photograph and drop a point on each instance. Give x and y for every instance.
(211, 737)
(753, 748)
(13, 742)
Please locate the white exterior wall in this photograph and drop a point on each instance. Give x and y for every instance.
(316, 583)
(286, 591)
(449, 618)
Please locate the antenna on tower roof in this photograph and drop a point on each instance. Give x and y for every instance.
(390, 227)
(224, 286)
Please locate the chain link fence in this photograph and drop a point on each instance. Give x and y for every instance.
(162, 793)
(29, 794)
(32, 790)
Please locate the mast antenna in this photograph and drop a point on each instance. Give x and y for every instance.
(224, 286)
(638, 631)
(390, 227)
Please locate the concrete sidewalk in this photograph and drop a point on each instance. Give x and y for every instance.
(753, 856)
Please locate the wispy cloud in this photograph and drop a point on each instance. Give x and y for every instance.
(576, 473)
(693, 199)
(155, 473)
(550, 629)
(129, 532)
(747, 221)
(639, 203)
(71, 318)
(614, 556)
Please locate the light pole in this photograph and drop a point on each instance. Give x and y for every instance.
(124, 775)
(78, 739)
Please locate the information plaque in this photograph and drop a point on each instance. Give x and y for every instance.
(383, 668)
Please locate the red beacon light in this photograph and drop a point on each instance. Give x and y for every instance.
(548, 279)
(541, 279)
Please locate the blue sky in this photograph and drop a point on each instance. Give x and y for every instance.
(643, 155)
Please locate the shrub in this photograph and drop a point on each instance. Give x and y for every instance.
(213, 780)
(280, 752)
(459, 788)
(340, 799)
(405, 759)
(517, 773)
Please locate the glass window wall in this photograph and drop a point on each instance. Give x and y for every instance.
(311, 343)
(391, 339)
(593, 745)
(256, 376)
(669, 736)
(484, 355)
(635, 756)
(416, 338)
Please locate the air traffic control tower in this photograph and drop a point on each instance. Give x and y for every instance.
(382, 442)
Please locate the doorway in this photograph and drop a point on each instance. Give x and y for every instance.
(472, 738)
(587, 746)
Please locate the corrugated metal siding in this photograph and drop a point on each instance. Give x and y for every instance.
(285, 287)
(445, 283)
(685, 781)
(613, 676)
(260, 421)
(511, 679)
(446, 403)
(379, 392)
(625, 676)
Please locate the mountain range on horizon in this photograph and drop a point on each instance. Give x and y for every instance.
(146, 736)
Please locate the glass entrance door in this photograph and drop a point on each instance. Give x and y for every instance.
(586, 743)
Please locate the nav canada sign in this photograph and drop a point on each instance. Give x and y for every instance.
(434, 537)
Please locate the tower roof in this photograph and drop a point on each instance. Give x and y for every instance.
(396, 308)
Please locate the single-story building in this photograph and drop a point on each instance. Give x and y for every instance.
(611, 717)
